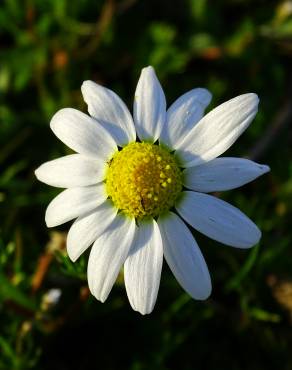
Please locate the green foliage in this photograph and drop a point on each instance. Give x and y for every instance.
(47, 48)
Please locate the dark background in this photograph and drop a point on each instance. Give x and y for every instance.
(47, 48)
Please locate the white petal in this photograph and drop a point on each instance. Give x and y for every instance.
(184, 257)
(71, 171)
(106, 106)
(218, 220)
(149, 106)
(108, 254)
(182, 116)
(83, 134)
(74, 202)
(222, 174)
(218, 130)
(143, 267)
(86, 229)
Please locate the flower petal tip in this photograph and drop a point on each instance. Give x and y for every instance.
(148, 72)
(143, 311)
(264, 168)
(250, 98)
(148, 69)
(204, 96)
(254, 239)
(48, 222)
(93, 291)
(253, 96)
(40, 173)
(101, 299)
(203, 297)
(259, 236)
(255, 99)
(50, 219)
(205, 292)
(55, 117)
(73, 258)
(60, 115)
(37, 173)
(87, 84)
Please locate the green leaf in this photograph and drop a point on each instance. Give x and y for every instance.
(11, 292)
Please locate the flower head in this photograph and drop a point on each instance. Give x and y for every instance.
(130, 194)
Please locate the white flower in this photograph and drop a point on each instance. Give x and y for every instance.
(51, 298)
(130, 202)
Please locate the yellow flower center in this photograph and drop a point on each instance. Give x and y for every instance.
(143, 180)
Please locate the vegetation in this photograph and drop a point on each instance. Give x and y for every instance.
(47, 49)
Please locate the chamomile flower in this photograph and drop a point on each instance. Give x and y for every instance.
(134, 181)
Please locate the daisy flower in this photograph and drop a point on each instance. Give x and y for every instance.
(134, 181)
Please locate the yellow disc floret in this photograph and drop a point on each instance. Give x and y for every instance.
(143, 180)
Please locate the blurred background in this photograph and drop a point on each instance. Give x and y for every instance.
(48, 319)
